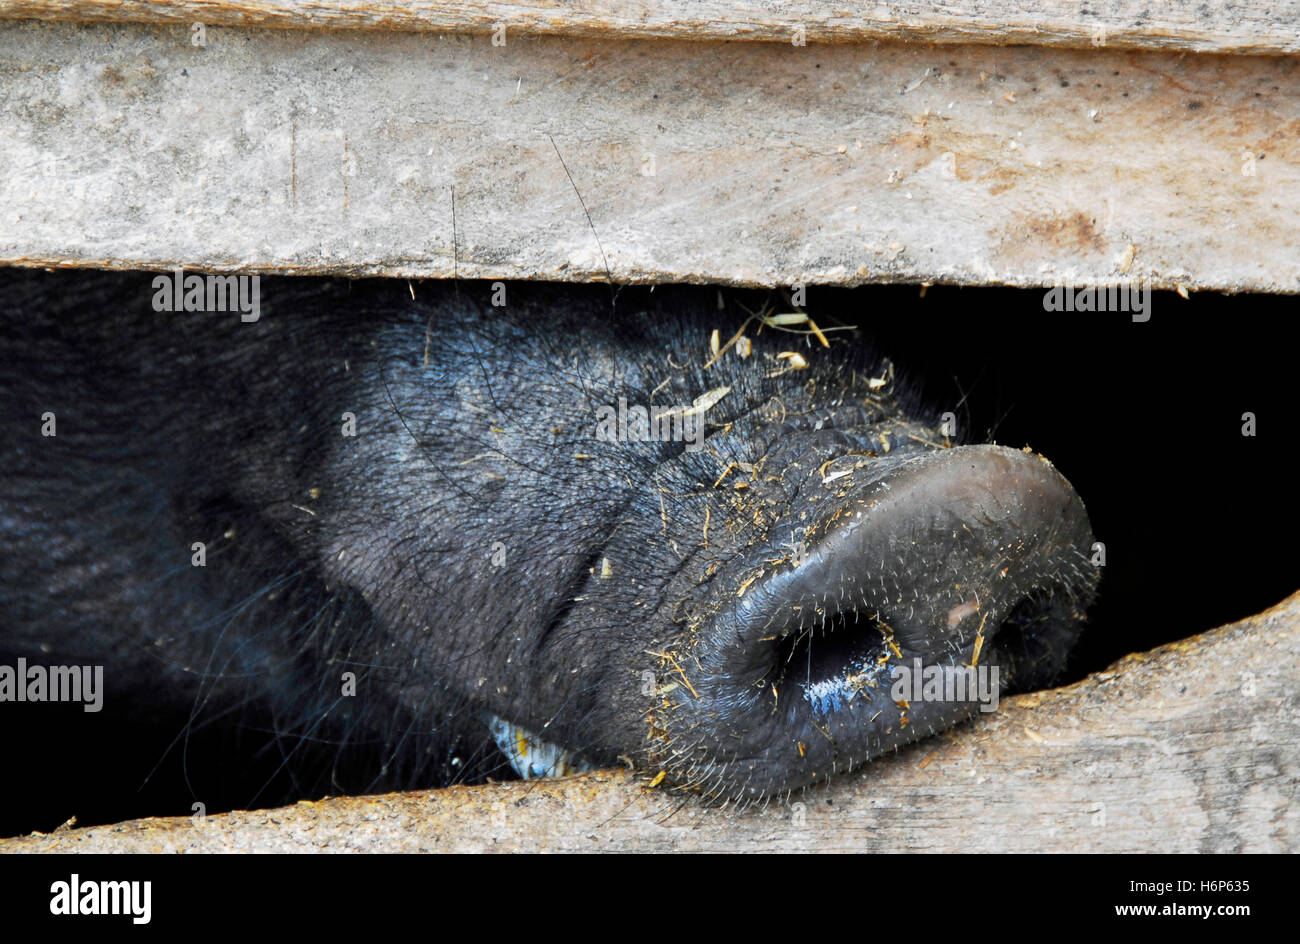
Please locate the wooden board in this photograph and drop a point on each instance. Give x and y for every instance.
(640, 161)
(1243, 26)
(1193, 747)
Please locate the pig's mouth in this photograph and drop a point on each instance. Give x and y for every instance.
(928, 586)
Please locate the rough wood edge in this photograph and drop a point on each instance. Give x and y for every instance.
(470, 271)
(1243, 29)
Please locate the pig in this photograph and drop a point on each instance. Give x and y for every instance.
(338, 536)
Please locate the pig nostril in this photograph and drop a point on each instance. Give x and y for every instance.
(1034, 640)
(1027, 619)
(847, 649)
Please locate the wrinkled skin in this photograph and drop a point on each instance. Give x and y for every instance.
(728, 616)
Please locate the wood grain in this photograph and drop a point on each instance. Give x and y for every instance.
(738, 163)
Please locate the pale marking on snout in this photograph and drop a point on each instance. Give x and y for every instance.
(961, 611)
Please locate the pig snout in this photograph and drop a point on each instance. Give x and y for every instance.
(914, 589)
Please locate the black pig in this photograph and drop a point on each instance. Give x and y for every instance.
(424, 519)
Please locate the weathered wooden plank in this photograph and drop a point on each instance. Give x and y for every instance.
(1243, 26)
(1194, 746)
(749, 163)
